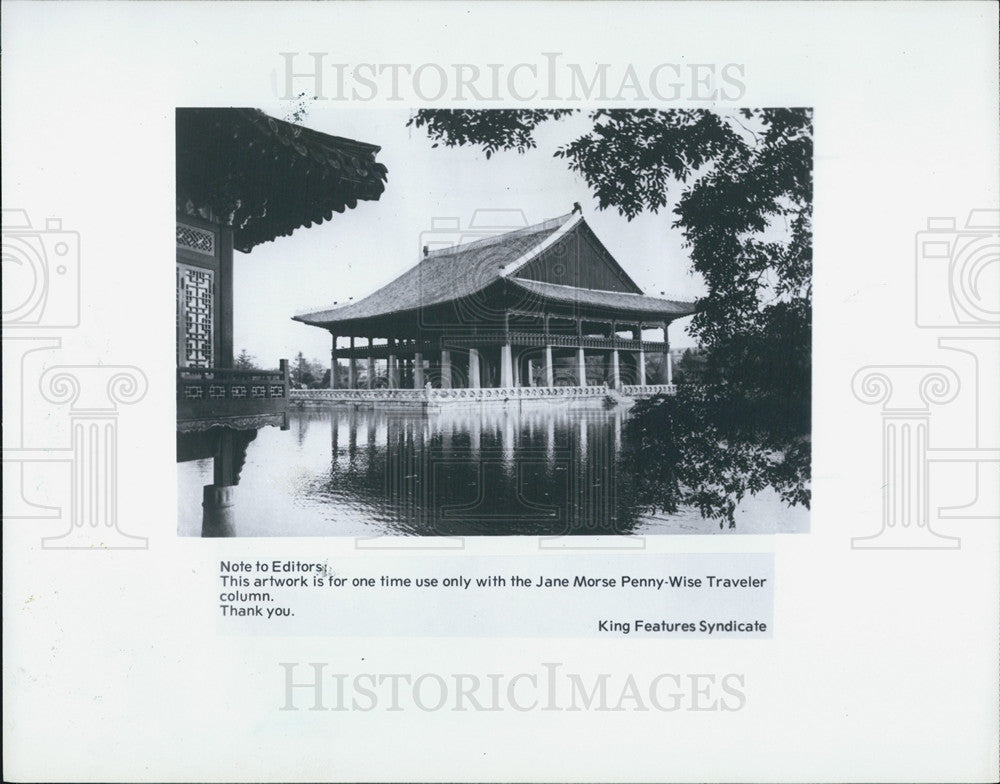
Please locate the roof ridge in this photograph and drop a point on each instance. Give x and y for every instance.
(551, 223)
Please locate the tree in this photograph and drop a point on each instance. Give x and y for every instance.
(739, 186)
(690, 368)
(245, 361)
(744, 206)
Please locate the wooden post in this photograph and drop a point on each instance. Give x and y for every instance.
(616, 376)
(642, 367)
(224, 318)
(581, 364)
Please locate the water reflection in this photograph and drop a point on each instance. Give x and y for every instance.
(364, 472)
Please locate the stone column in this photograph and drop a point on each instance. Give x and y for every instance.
(641, 360)
(581, 364)
(333, 362)
(506, 369)
(371, 365)
(549, 370)
(391, 370)
(531, 373)
(418, 370)
(667, 371)
(351, 378)
(616, 376)
(445, 369)
(473, 368)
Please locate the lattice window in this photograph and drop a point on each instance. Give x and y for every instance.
(193, 393)
(216, 391)
(277, 390)
(196, 240)
(196, 315)
(238, 391)
(258, 390)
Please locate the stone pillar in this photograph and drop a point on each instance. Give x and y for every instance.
(531, 373)
(642, 367)
(667, 371)
(418, 370)
(391, 369)
(549, 370)
(445, 369)
(473, 368)
(506, 369)
(371, 366)
(333, 362)
(218, 518)
(581, 365)
(351, 379)
(616, 376)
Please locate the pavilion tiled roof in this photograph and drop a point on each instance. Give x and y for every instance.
(463, 270)
(613, 300)
(266, 177)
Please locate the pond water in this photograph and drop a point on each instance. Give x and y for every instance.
(345, 471)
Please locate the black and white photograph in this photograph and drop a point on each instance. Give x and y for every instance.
(509, 391)
(493, 322)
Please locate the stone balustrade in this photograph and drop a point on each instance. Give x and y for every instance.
(484, 394)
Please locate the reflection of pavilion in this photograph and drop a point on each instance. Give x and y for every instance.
(490, 471)
(546, 306)
(243, 179)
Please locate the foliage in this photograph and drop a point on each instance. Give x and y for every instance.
(706, 448)
(691, 368)
(308, 374)
(499, 129)
(245, 361)
(299, 109)
(740, 188)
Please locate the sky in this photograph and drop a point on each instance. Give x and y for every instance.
(361, 249)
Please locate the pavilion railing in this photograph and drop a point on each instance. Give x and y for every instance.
(224, 393)
(482, 394)
(648, 390)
